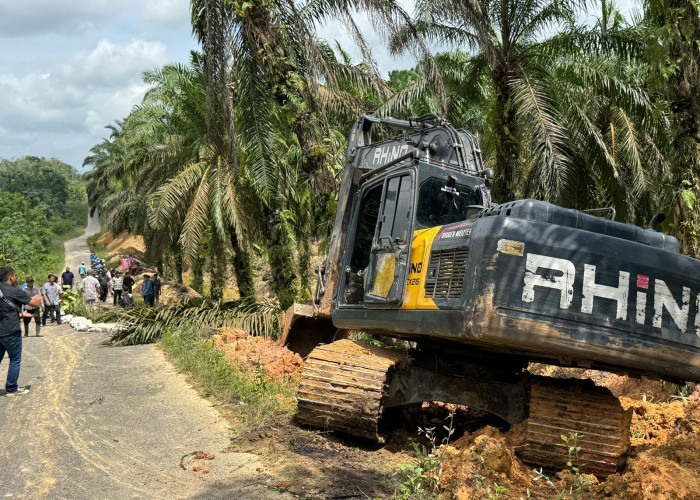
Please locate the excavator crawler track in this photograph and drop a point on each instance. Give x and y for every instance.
(343, 386)
(565, 407)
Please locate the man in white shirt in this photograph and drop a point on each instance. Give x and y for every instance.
(117, 285)
(91, 289)
(52, 294)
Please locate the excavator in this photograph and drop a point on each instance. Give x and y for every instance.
(478, 290)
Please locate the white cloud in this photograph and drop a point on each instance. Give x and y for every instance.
(168, 12)
(109, 63)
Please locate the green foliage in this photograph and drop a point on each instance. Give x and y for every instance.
(421, 477)
(256, 398)
(42, 203)
(143, 325)
(577, 487)
(72, 303)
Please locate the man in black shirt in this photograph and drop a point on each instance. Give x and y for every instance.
(11, 301)
(67, 279)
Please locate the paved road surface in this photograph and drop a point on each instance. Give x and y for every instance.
(112, 423)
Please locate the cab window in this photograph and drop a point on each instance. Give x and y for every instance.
(440, 204)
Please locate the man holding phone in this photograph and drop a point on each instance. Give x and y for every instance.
(11, 301)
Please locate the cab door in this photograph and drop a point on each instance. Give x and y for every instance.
(385, 281)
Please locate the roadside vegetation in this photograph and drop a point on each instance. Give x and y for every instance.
(42, 204)
(256, 401)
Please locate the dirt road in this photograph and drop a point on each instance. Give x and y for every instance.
(113, 423)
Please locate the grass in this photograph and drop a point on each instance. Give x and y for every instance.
(256, 401)
(97, 247)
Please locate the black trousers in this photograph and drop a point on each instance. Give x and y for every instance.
(51, 310)
(117, 295)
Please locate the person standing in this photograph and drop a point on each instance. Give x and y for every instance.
(147, 290)
(91, 287)
(117, 285)
(67, 279)
(29, 312)
(157, 285)
(81, 270)
(11, 301)
(104, 286)
(52, 300)
(128, 282)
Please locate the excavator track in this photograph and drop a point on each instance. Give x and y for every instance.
(564, 407)
(343, 386)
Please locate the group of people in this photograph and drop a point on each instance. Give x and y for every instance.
(98, 281)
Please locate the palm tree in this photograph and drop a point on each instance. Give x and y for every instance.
(564, 115)
(673, 31)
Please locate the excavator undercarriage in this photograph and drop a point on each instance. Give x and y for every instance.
(346, 386)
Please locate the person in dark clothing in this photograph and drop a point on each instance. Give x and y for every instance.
(128, 282)
(157, 285)
(127, 300)
(104, 286)
(30, 313)
(147, 290)
(11, 301)
(67, 279)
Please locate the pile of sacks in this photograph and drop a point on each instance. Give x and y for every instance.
(85, 325)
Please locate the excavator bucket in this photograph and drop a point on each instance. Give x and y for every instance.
(304, 327)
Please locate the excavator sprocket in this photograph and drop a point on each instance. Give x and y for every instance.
(562, 407)
(343, 385)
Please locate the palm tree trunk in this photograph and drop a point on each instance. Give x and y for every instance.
(507, 148)
(241, 267)
(198, 278)
(178, 266)
(218, 266)
(281, 260)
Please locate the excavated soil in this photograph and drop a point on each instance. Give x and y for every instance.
(278, 362)
(126, 244)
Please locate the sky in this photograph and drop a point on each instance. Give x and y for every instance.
(69, 68)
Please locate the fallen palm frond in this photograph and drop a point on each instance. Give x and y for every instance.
(143, 325)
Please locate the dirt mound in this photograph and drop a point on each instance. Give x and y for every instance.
(619, 385)
(127, 244)
(483, 465)
(172, 293)
(278, 362)
(653, 423)
(665, 464)
(106, 238)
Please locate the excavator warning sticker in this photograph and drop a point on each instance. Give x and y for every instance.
(511, 247)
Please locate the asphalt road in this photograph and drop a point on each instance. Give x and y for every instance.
(113, 423)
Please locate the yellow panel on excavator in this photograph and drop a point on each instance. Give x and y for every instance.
(414, 297)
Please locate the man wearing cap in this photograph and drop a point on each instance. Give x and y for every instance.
(11, 302)
(81, 270)
(29, 312)
(52, 300)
